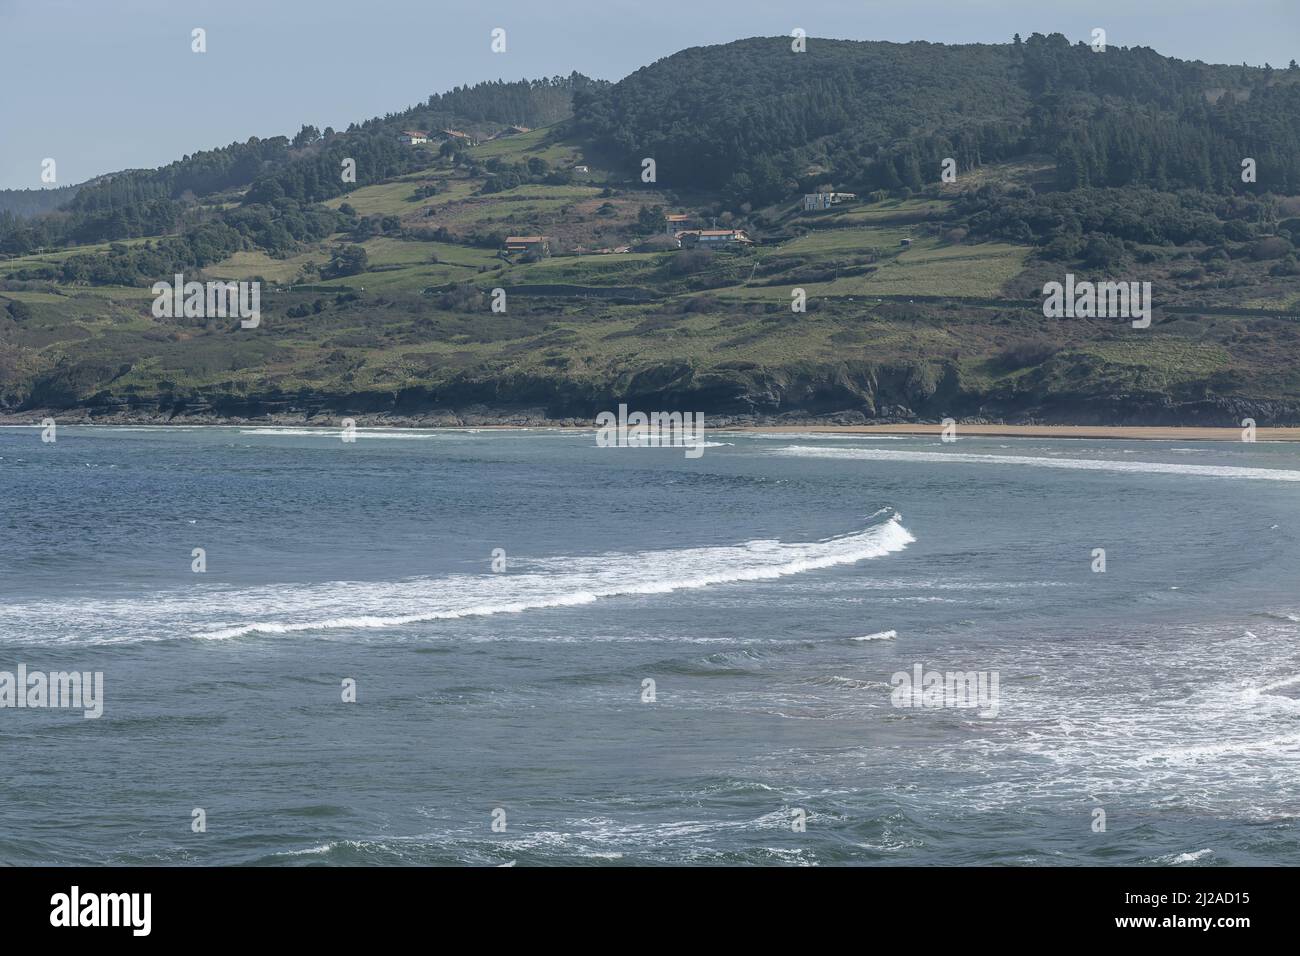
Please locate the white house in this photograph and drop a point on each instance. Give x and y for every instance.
(713, 237)
(813, 201)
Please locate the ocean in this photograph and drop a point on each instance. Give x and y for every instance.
(513, 647)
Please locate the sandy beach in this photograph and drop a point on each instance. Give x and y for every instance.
(1124, 432)
(1118, 432)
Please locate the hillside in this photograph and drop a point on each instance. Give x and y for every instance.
(923, 297)
(24, 203)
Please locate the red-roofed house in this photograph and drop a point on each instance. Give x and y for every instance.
(541, 245)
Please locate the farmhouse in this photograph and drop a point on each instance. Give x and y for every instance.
(904, 242)
(513, 131)
(541, 245)
(456, 135)
(675, 221)
(813, 201)
(713, 237)
(413, 137)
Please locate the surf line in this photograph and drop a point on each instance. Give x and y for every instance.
(653, 430)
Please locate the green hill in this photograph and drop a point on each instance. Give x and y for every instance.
(923, 296)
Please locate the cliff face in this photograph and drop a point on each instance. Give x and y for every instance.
(847, 392)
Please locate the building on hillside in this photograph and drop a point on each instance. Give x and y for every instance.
(675, 222)
(455, 134)
(539, 245)
(514, 131)
(815, 201)
(904, 242)
(413, 137)
(713, 238)
(582, 169)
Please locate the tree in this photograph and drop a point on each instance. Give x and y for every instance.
(20, 311)
(348, 260)
(306, 137)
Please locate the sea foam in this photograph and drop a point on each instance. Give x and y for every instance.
(1079, 464)
(559, 582)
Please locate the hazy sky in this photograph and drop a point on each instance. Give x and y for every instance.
(102, 85)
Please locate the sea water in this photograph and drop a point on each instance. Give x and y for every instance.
(516, 647)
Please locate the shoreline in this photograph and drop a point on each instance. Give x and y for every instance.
(1112, 432)
(981, 430)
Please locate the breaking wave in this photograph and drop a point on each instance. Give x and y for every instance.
(232, 612)
(1079, 464)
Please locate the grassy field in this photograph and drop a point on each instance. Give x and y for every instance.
(523, 146)
(385, 199)
(246, 265)
(409, 321)
(977, 271)
(881, 239)
(619, 269)
(862, 214)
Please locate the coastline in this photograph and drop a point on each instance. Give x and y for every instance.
(815, 426)
(1114, 432)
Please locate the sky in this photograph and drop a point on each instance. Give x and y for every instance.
(104, 85)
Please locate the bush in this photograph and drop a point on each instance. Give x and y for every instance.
(658, 243)
(1103, 251)
(1287, 267)
(1025, 354)
(347, 261)
(1272, 248)
(1063, 247)
(462, 298)
(690, 261)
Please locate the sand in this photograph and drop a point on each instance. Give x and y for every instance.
(1125, 432)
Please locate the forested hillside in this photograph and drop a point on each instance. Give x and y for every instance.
(918, 297)
(758, 121)
(24, 203)
(523, 103)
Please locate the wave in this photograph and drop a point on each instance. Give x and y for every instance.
(1292, 681)
(232, 612)
(1279, 616)
(1176, 859)
(1079, 464)
(360, 433)
(819, 436)
(879, 636)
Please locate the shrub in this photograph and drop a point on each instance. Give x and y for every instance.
(1026, 353)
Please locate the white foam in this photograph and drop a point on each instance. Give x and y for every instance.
(571, 581)
(1079, 464)
(360, 433)
(827, 436)
(1291, 681)
(879, 636)
(1186, 857)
